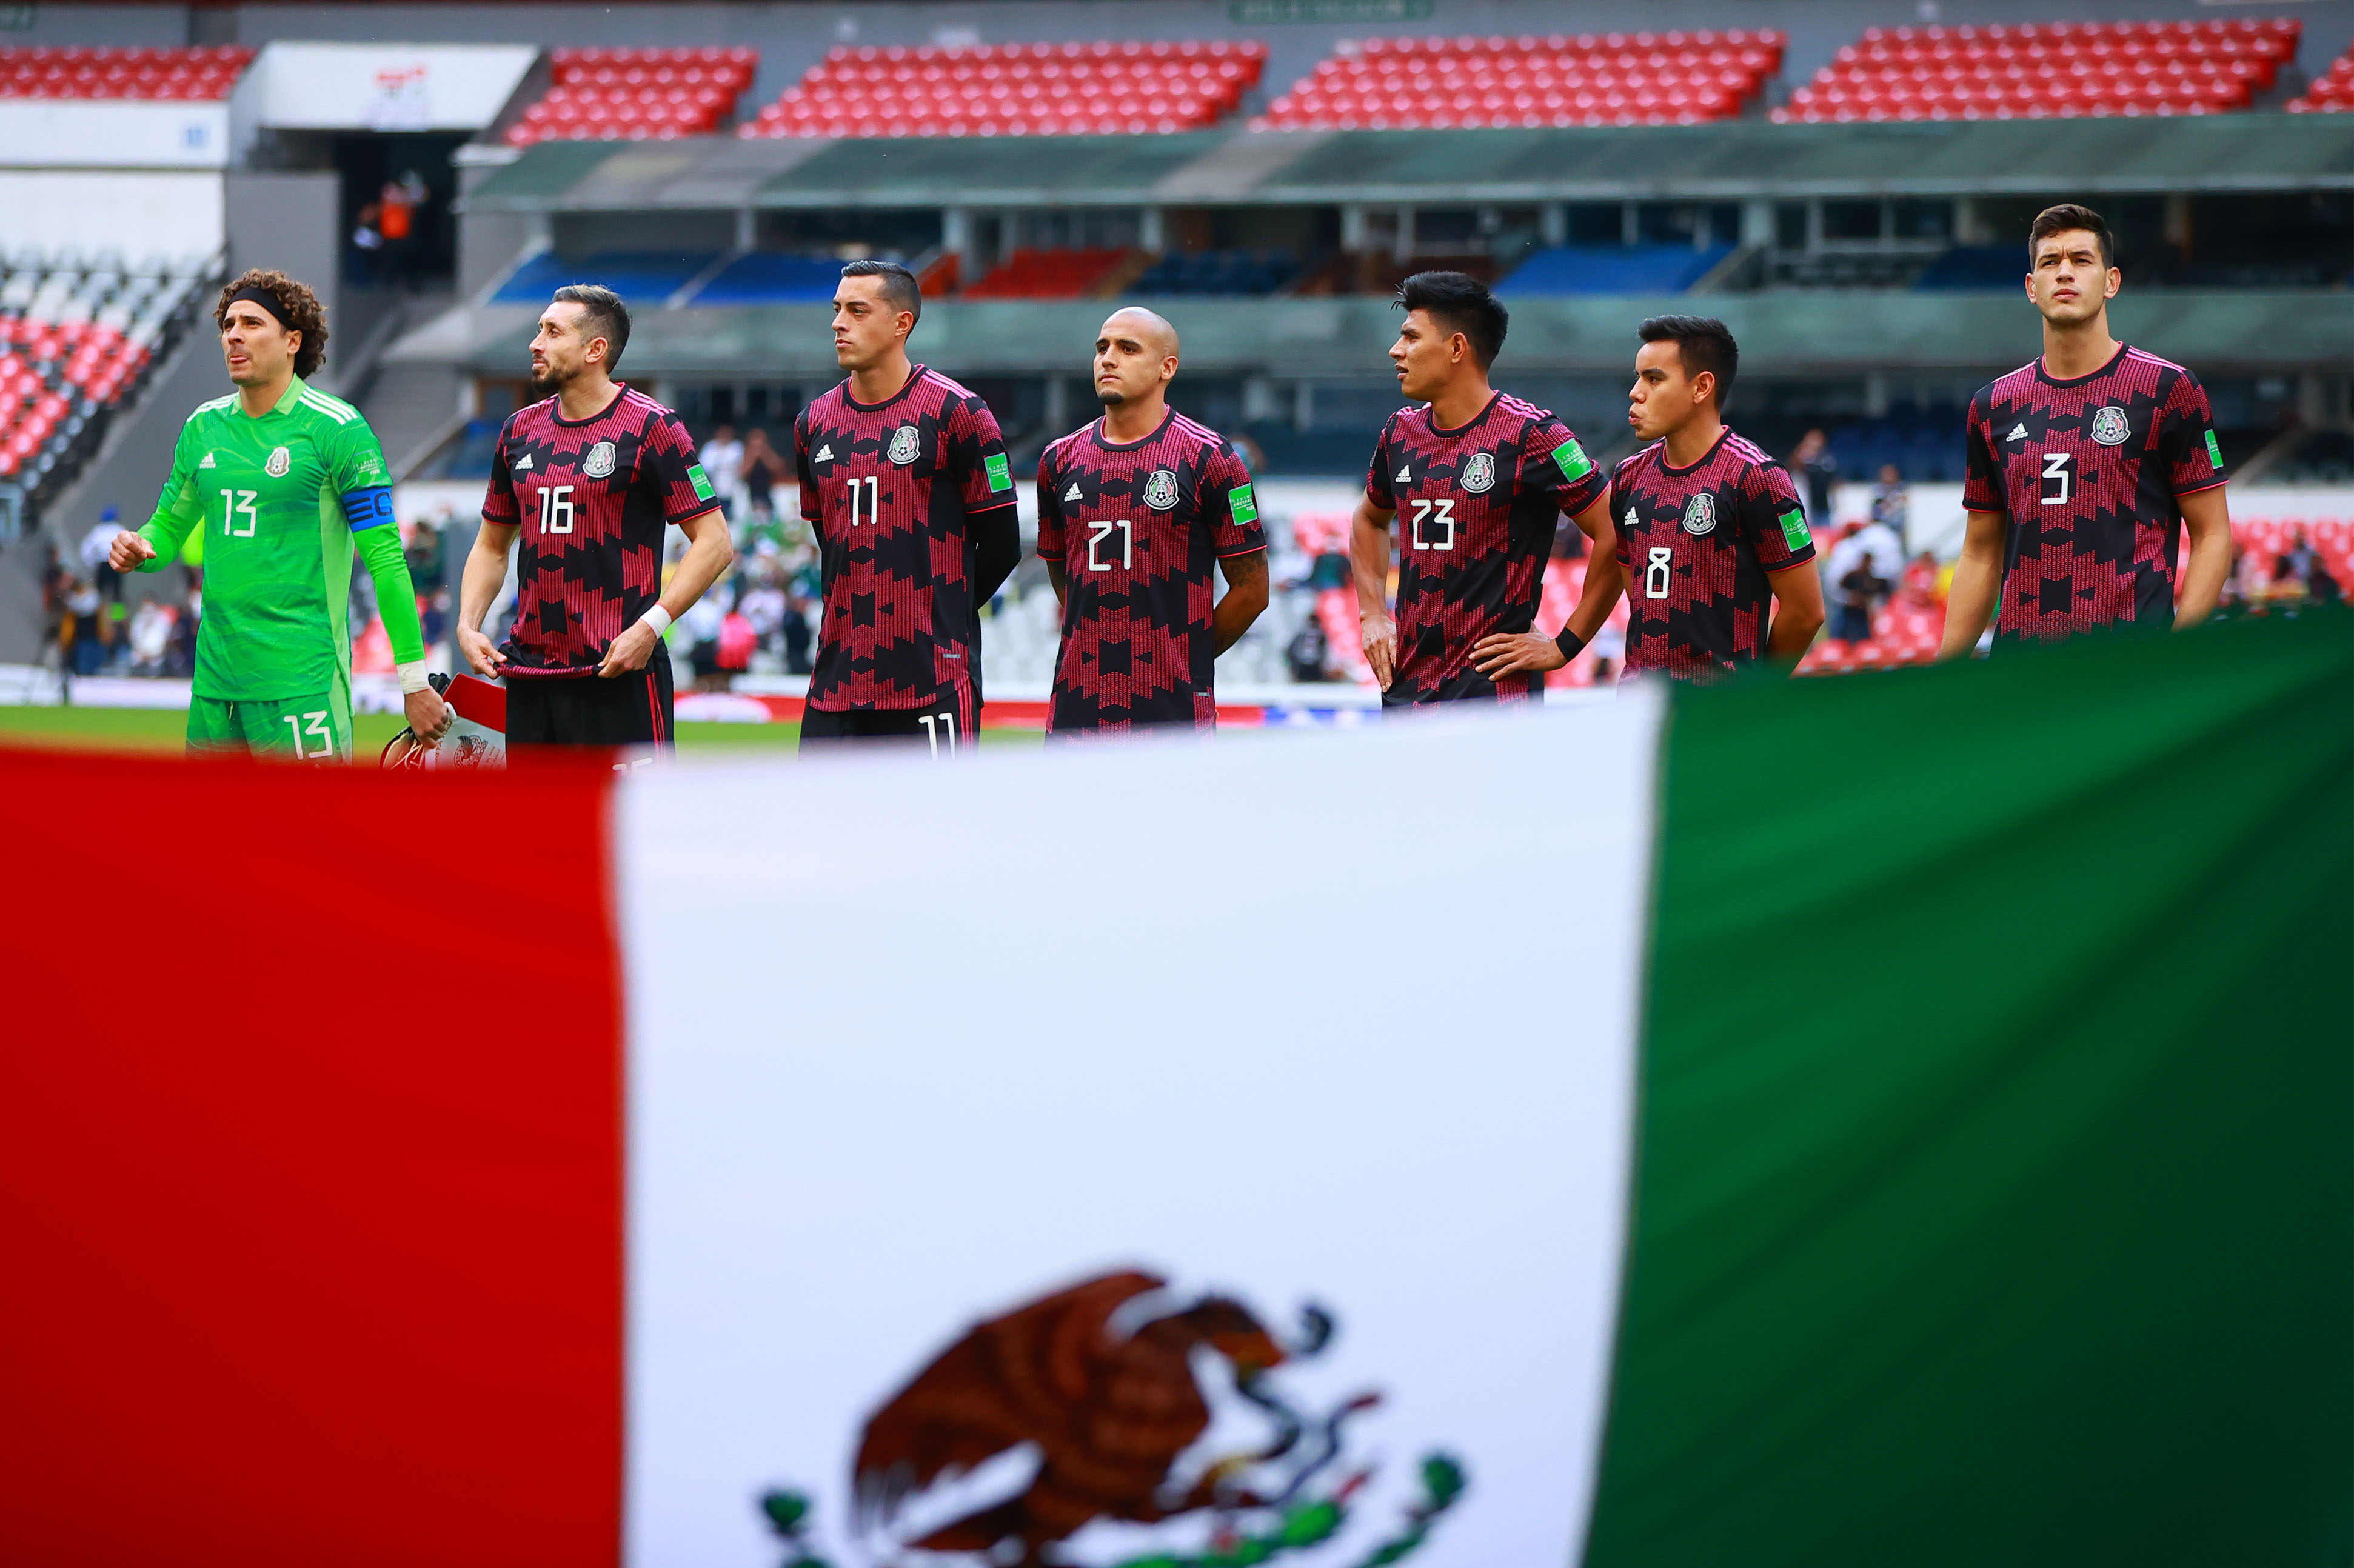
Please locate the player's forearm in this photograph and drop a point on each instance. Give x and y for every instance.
(1798, 613)
(486, 573)
(709, 552)
(1606, 579)
(164, 533)
(1369, 562)
(1242, 603)
(1969, 602)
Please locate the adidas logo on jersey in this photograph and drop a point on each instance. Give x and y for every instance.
(2018, 433)
(1073, 494)
(824, 454)
(522, 462)
(207, 462)
(1404, 474)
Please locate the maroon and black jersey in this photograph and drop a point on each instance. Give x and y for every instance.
(1139, 529)
(1476, 510)
(1696, 544)
(891, 490)
(2088, 472)
(592, 498)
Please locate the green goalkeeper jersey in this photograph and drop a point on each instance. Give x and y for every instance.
(282, 499)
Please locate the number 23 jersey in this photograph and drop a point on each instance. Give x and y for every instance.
(2090, 473)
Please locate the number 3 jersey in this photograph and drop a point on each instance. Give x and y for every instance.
(1696, 544)
(892, 490)
(591, 498)
(1137, 529)
(2089, 472)
(1476, 510)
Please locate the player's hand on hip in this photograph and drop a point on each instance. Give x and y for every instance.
(126, 550)
(1379, 634)
(630, 650)
(429, 717)
(1502, 653)
(482, 654)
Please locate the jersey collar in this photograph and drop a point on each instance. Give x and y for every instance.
(294, 396)
(915, 373)
(1096, 430)
(1485, 409)
(2051, 380)
(1723, 434)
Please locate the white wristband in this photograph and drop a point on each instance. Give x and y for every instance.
(658, 618)
(412, 677)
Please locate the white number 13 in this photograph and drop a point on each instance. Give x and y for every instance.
(237, 503)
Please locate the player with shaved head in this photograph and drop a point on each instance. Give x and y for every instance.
(1133, 511)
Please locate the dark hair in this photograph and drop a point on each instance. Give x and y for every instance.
(298, 309)
(1703, 343)
(2064, 218)
(1460, 302)
(604, 316)
(898, 284)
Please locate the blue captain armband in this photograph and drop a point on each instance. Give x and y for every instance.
(369, 508)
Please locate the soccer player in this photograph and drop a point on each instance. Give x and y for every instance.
(1132, 510)
(287, 483)
(2084, 468)
(588, 476)
(1709, 528)
(1481, 476)
(904, 481)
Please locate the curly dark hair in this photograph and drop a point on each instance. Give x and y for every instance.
(304, 313)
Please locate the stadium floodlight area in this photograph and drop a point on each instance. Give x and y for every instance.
(1607, 78)
(636, 95)
(77, 70)
(2039, 70)
(1016, 90)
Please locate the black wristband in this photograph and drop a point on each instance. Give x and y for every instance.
(1570, 643)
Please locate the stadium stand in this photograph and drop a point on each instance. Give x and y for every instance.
(187, 75)
(766, 278)
(80, 337)
(1015, 89)
(2332, 92)
(1614, 270)
(646, 276)
(1048, 275)
(2041, 69)
(1240, 273)
(636, 95)
(1613, 78)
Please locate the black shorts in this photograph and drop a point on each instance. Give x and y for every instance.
(631, 709)
(945, 727)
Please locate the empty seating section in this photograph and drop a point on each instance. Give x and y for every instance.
(2332, 92)
(1015, 89)
(196, 75)
(767, 278)
(644, 279)
(2041, 69)
(637, 95)
(1608, 78)
(1048, 275)
(1218, 272)
(76, 339)
(1613, 270)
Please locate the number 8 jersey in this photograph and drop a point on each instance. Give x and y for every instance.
(591, 498)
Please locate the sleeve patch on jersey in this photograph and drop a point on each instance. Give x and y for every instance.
(1243, 503)
(1794, 529)
(2214, 452)
(702, 483)
(1571, 459)
(999, 476)
(368, 508)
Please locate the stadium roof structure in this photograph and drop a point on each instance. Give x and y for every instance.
(1788, 332)
(1729, 160)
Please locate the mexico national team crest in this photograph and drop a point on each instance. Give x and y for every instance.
(1479, 473)
(903, 445)
(599, 460)
(280, 463)
(2109, 426)
(1700, 513)
(1112, 1435)
(1161, 489)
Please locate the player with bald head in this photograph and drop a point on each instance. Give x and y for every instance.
(1134, 510)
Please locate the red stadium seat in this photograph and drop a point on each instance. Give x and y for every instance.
(81, 71)
(636, 94)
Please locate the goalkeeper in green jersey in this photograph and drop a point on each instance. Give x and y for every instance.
(287, 483)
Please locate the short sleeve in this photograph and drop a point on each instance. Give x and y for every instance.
(804, 476)
(1230, 504)
(2186, 438)
(1774, 519)
(1981, 473)
(359, 458)
(1553, 462)
(499, 507)
(977, 460)
(1377, 475)
(1619, 513)
(669, 469)
(1051, 542)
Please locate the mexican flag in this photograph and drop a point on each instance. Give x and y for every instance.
(1897, 1118)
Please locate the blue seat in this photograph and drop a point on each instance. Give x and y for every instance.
(1613, 270)
(766, 278)
(1976, 267)
(644, 279)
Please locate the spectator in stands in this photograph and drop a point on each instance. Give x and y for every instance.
(1892, 504)
(94, 548)
(85, 629)
(368, 246)
(402, 203)
(427, 561)
(151, 637)
(764, 471)
(798, 632)
(699, 630)
(1308, 656)
(1859, 590)
(180, 661)
(763, 604)
(2298, 564)
(723, 465)
(1812, 465)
